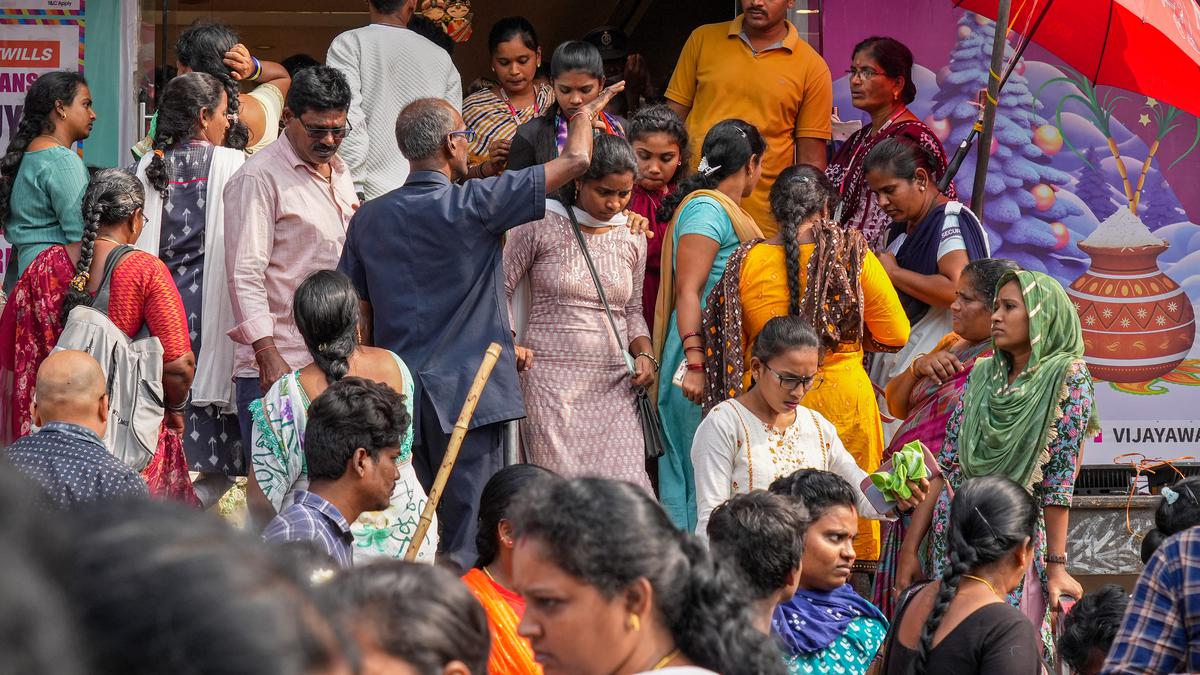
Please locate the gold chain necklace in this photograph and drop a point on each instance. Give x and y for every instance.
(985, 582)
(665, 660)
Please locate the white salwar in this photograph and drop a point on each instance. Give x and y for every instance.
(734, 452)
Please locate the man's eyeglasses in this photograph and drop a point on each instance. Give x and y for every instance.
(317, 133)
(864, 74)
(468, 134)
(790, 382)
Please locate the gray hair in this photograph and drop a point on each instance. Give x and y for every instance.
(422, 126)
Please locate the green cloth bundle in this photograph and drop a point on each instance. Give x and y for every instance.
(908, 464)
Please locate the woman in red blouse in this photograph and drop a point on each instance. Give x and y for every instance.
(142, 293)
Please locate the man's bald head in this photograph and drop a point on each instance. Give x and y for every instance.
(70, 385)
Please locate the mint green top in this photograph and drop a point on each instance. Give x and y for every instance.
(46, 206)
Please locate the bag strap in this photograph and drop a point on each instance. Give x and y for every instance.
(115, 256)
(905, 600)
(587, 257)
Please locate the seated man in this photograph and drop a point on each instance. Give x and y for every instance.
(1089, 629)
(67, 457)
(351, 445)
(761, 536)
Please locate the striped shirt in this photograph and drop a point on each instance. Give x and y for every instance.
(1161, 630)
(488, 114)
(311, 518)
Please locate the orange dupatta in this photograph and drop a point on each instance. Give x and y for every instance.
(511, 654)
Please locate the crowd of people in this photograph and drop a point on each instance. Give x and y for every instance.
(706, 313)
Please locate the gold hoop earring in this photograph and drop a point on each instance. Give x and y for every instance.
(635, 623)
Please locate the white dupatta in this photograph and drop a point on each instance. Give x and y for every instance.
(214, 364)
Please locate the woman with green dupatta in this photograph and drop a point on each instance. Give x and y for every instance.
(1025, 414)
(707, 225)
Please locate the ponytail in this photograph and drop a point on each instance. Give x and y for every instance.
(728, 148)
(112, 196)
(326, 311)
(40, 103)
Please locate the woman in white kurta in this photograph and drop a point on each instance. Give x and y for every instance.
(746, 443)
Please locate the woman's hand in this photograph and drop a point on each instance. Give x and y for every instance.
(889, 263)
(919, 491)
(239, 62)
(908, 572)
(941, 366)
(598, 104)
(498, 155)
(1059, 582)
(639, 224)
(524, 357)
(643, 371)
(693, 386)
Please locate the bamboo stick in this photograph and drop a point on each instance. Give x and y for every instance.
(456, 440)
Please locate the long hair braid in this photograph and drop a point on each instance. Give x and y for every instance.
(112, 196)
(36, 114)
(178, 114)
(962, 560)
(791, 258)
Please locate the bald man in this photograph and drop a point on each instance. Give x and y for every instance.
(67, 456)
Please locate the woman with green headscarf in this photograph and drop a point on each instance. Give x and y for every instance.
(1025, 414)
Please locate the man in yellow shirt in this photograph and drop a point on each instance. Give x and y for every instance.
(756, 68)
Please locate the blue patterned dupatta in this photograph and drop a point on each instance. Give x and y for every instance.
(277, 460)
(813, 620)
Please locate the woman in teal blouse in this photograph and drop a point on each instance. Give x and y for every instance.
(42, 180)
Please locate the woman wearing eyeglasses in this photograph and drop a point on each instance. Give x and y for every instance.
(184, 175)
(882, 86)
(747, 442)
(816, 270)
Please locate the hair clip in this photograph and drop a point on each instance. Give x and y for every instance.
(986, 523)
(324, 346)
(320, 576)
(1170, 495)
(80, 281)
(707, 169)
(159, 153)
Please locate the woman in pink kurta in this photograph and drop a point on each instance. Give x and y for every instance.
(582, 419)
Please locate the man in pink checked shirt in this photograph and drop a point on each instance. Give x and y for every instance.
(286, 212)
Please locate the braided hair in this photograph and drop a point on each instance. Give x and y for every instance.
(36, 119)
(112, 196)
(178, 114)
(728, 147)
(202, 48)
(832, 300)
(326, 312)
(989, 517)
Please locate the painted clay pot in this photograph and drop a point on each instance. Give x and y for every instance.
(1138, 324)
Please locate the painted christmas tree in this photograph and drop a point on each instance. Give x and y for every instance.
(1095, 190)
(1021, 210)
(1159, 205)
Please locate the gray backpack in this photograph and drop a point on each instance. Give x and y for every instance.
(133, 368)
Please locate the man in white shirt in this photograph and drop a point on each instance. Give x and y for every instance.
(388, 66)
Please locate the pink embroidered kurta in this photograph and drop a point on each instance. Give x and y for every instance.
(582, 417)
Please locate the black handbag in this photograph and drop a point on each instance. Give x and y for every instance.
(652, 431)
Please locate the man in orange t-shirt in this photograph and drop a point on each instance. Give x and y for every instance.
(756, 68)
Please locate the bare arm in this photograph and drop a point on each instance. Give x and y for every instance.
(679, 108)
(260, 508)
(694, 261)
(936, 290)
(177, 378)
(573, 161)
(811, 151)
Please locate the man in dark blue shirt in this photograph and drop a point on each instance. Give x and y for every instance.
(426, 260)
(67, 458)
(351, 445)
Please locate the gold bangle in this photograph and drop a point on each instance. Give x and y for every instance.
(912, 367)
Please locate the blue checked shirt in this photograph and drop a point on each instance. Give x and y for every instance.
(311, 518)
(1161, 630)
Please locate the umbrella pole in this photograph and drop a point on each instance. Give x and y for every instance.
(988, 119)
(456, 440)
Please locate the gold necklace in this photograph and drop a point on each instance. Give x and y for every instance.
(666, 659)
(53, 138)
(985, 582)
(108, 238)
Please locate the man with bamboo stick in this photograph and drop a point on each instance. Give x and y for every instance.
(426, 260)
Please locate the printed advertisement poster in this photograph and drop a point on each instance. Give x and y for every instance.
(1095, 186)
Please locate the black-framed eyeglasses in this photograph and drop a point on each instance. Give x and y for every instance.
(790, 382)
(468, 134)
(865, 74)
(317, 133)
